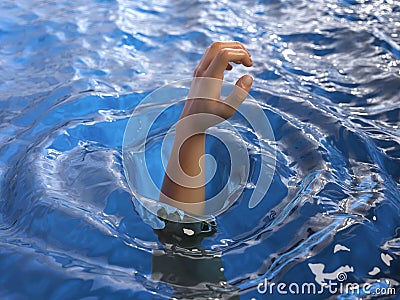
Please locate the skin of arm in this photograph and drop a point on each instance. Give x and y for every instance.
(184, 182)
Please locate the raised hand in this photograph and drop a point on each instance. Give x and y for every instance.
(184, 181)
(204, 97)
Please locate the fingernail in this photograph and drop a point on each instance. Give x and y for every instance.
(247, 81)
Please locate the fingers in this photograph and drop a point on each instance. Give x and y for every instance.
(239, 93)
(213, 50)
(221, 61)
(218, 58)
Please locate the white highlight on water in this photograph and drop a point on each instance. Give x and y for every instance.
(320, 276)
(386, 258)
(339, 247)
(374, 271)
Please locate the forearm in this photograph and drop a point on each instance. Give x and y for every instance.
(185, 175)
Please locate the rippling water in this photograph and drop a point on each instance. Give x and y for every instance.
(327, 75)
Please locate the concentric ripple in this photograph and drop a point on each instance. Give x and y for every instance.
(327, 76)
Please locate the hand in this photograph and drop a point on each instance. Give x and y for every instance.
(204, 107)
(184, 182)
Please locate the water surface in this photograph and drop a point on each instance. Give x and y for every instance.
(327, 75)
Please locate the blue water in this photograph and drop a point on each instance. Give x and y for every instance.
(327, 75)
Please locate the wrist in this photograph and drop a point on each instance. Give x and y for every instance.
(186, 128)
(197, 123)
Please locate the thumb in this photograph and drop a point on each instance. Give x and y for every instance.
(239, 93)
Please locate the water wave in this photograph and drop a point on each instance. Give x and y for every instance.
(326, 75)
